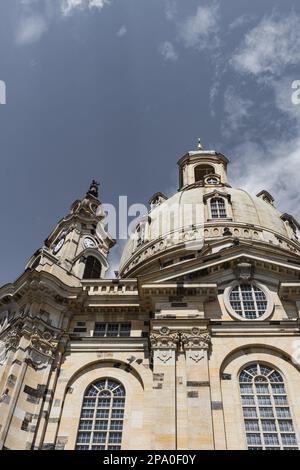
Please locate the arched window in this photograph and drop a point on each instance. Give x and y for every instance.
(267, 417)
(202, 170)
(92, 268)
(102, 414)
(218, 208)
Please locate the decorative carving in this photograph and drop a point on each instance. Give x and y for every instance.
(195, 355)
(244, 271)
(4, 320)
(165, 342)
(12, 338)
(42, 348)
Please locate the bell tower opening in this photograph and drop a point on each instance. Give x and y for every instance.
(196, 165)
(92, 268)
(200, 171)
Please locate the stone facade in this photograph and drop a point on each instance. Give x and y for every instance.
(160, 350)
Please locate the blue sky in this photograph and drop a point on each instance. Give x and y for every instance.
(118, 90)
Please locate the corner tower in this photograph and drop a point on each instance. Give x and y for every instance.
(78, 246)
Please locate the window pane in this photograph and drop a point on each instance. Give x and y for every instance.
(116, 425)
(283, 412)
(248, 400)
(246, 388)
(268, 425)
(87, 413)
(262, 388)
(267, 402)
(286, 425)
(253, 439)
(125, 329)
(280, 400)
(249, 412)
(115, 437)
(99, 437)
(112, 329)
(288, 439)
(248, 301)
(271, 439)
(278, 388)
(102, 413)
(99, 329)
(83, 437)
(101, 421)
(85, 425)
(251, 425)
(101, 425)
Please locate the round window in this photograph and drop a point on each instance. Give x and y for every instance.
(248, 301)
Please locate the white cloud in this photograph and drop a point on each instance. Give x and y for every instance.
(236, 111)
(274, 166)
(171, 10)
(240, 21)
(36, 16)
(269, 47)
(68, 6)
(201, 30)
(122, 31)
(167, 50)
(30, 29)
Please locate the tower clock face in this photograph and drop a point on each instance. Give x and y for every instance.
(89, 243)
(58, 245)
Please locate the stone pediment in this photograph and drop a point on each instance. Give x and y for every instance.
(208, 269)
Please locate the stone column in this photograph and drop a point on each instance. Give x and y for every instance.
(196, 343)
(164, 345)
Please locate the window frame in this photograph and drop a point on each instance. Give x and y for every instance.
(272, 420)
(218, 209)
(96, 430)
(107, 324)
(236, 316)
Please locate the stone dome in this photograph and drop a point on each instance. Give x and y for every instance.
(204, 212)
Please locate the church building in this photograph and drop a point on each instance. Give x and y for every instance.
(195, 344)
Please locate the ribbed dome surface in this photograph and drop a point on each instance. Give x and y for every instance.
(245, 213)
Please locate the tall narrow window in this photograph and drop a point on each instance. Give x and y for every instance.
(267, 417)
(218, 208)
(92, 268)
(102, 414)
(202, 170)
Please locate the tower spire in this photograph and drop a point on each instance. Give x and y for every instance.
(199, 145)
(94, 188)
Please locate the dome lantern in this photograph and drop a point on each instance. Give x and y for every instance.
(194, 166)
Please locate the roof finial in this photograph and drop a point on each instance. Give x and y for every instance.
(199, 145)
(93, 188)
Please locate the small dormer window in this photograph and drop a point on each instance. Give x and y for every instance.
(218, 208)
(92, 268)
(203, 170)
